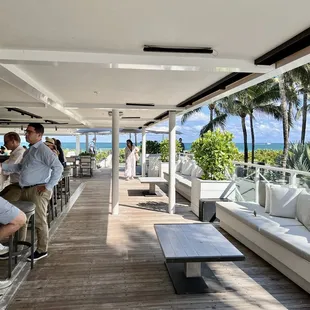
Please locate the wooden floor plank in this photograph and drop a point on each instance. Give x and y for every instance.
(100, 261)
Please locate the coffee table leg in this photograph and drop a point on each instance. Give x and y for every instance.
(192, 270)
(152, 189)
(206, 283)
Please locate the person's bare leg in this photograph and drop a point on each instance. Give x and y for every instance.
(10, 228)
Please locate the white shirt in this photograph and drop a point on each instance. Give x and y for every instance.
(39, 166)
(16, 157)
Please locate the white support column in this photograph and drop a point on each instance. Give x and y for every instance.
(172, 137)
(115, 162)
(86, 142)
(77, 144)
(256, 182)
(136, 142)
(143, 160)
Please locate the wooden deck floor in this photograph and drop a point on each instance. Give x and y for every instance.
(100, 261)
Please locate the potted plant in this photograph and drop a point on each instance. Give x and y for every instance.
(214, 153)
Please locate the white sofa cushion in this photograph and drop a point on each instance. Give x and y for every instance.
(178, 165)
(187, 167)
(245, 214)
(283, 201)
(199, 172)
(282, 221)
(194, 170)
(303, 209)
(267, 195)
(293, 238)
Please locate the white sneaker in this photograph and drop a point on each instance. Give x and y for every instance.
(4, 284)
(3, 249)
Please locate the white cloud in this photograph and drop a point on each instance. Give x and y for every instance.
(199, 116)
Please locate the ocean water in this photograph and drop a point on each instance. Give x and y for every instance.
(108, 146)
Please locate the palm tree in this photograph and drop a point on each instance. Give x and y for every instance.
(214, 111)
(257, 98)
(301, 76)
(237, 105)
(285, 118)
(262, 98)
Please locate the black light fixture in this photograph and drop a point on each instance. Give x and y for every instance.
(149, 123)
(23, 112)
(183, 50)
(140, 104)
(131, 117)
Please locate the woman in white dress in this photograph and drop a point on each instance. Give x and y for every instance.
(131, 156)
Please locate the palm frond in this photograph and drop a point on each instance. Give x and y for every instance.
(219, 121)
(188, 114)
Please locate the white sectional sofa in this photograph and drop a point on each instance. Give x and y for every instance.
(281, 237)
(185, 170)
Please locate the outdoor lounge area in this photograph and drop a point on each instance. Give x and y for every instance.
(114, 225)
(99, 261)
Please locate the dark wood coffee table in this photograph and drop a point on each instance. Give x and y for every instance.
(187, 249)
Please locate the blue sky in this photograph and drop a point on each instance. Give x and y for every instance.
(266, 130)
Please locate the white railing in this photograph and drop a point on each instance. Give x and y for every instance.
(257, 174)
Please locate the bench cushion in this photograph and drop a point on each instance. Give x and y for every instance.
(293, 238)
(259, 210)
(303, 208)
(283, 201)
(244, 212)
(187, 167)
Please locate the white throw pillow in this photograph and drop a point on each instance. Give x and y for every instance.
(303, 209)
(194, 171)
(178, 166)
(283, 201)
(267, 201)
(187, 167)
(199, 172)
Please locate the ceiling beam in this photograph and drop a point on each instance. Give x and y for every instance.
(20, 80)
(210, 63)
(299, 59)
(13, 104)
(106, 106)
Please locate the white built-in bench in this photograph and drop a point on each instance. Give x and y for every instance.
(281, 236)
(185, 171)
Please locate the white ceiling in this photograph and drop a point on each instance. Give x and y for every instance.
(66, 74)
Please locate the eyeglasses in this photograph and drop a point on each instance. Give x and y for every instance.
(28, 132)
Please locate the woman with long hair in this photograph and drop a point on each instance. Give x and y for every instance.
(131, 157)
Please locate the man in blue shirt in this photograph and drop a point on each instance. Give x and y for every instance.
(40, 170)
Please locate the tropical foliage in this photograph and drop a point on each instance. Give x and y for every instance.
(101, 155)
(299, 157)
(278, 97)
(214, 153)
(152, 147)
(164, 149)
(268, 157)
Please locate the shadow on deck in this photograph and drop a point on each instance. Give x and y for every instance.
(100, 261)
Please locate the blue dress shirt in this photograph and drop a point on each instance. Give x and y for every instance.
(39, 166)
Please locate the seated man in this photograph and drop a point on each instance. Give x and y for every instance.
(12, 192)
(11, 220)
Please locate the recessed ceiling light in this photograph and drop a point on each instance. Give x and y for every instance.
(96, 92)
